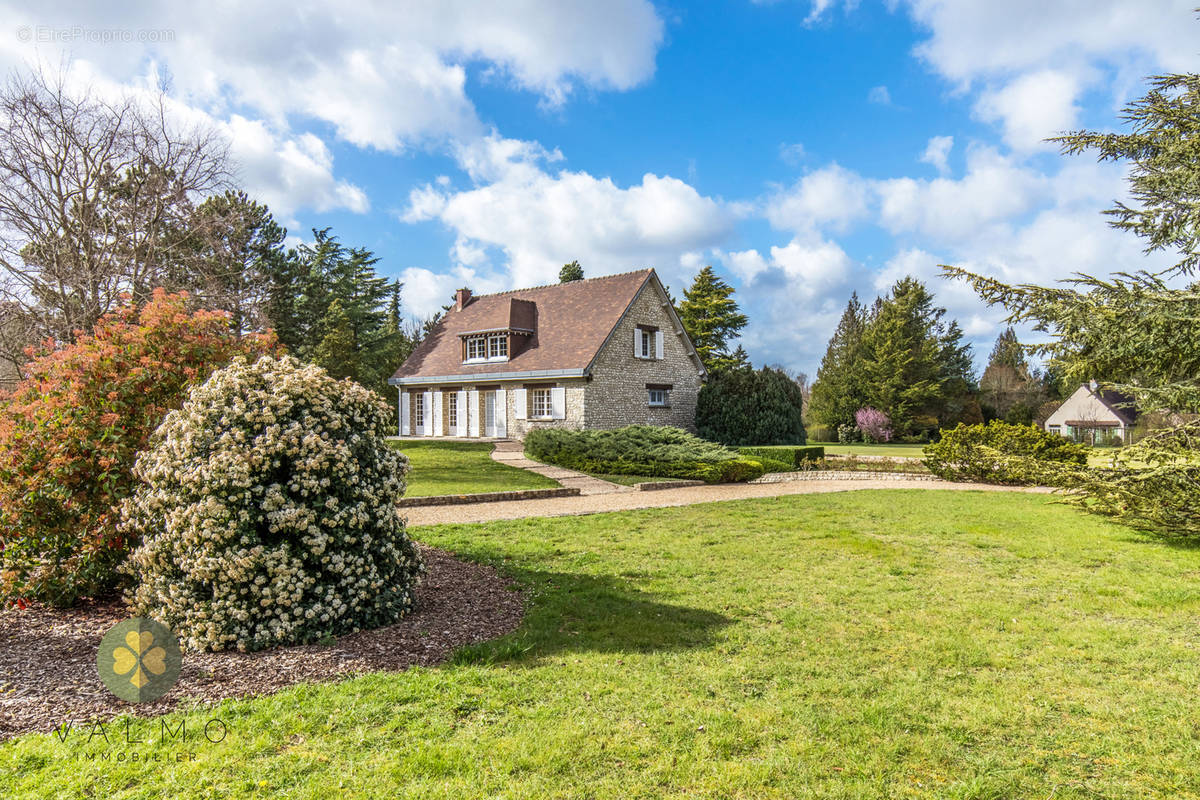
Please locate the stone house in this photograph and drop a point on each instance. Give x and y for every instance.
(597, 353)
(1095, 416)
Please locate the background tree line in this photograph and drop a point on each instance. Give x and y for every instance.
(103, 199)
(900, 356)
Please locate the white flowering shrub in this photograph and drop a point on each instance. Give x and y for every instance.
(266, 510)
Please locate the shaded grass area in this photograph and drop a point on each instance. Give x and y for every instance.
(853, 645)
(463, 468)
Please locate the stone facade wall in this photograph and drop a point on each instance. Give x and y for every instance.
(575, 412)
(617, 393)
(517, 428)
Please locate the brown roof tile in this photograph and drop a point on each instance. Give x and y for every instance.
(570, 322)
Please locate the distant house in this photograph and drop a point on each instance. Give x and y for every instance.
(598, 353)
(1095, 416)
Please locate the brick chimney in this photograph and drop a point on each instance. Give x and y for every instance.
(461, 298)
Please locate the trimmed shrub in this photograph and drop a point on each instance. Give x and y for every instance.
(660, 452)
(267, 512)
(71, 431)
(999, 452)
(744, 406)
(774, 465)
(793, 457)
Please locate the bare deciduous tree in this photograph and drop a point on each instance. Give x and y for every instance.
(97, 197)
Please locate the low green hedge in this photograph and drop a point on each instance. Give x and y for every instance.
(658, 452)
(791, 455)
(1001, 452)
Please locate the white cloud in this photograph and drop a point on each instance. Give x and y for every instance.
(288, 173)
(972, 40)
(791, 154)
(745, 264)
(793, 295)
(937, 151)
(1032, 108)
(994, 189)
(383, 75)
(879, 95)
(1035, 59)
(539, 220)
(832, 196)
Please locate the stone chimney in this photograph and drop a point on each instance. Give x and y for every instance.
(461, 298)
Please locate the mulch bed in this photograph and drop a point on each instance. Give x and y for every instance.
(48, 656)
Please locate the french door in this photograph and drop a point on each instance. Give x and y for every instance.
(489, 414)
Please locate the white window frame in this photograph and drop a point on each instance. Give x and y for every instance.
(484, 349)
(663, 398)
(452, 411)
(645, 343)
(540, 404)
(419, 414)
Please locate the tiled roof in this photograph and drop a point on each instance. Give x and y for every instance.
(570, 322)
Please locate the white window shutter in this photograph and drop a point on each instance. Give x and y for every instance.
(405, 414)
(462, 414)
(437, 414)
(637, 342)
(519, 396)
(558, 403)
(472, 413)
(427, 412)
(501, 413)
(658, 341)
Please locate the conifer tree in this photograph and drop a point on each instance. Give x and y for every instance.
(570, 272)
(836, 393)
(712, 319)
(1135, 331)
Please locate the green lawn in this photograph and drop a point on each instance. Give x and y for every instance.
(898, 450)
(851, 645)
(463, 468)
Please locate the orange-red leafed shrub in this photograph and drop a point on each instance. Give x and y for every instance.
(71, 431)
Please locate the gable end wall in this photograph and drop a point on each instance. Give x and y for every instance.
(617, 395)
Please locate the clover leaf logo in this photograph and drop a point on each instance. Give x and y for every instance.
(139, 660)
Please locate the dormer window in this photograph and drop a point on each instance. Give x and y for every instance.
(493, 347)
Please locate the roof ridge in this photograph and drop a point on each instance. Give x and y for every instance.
(552, 285)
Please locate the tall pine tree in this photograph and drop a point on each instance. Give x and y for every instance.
(837, 393)
(712, 319)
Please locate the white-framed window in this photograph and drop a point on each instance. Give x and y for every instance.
(659, 397)
(418, 412)
(452, 411)
(645, 343)
(487, 348)
(540, 404)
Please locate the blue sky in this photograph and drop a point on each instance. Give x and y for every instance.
(804, 148)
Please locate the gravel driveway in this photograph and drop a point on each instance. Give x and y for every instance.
(623, 501)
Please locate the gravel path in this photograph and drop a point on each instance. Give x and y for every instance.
(624, 501)
(513, 454)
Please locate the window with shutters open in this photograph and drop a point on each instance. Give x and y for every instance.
(452, 411)
(646, 343)
(418, 412)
